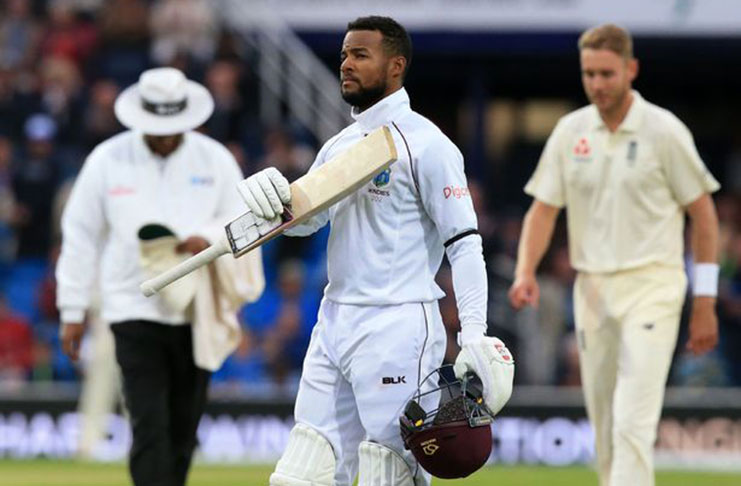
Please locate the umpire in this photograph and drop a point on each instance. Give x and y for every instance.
(159, 171)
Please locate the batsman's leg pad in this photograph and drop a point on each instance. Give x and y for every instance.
(380, 466)
(307, 461)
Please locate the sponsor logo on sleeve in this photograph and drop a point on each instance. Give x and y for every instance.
(121, 191)
(456, 192)
(202, 180)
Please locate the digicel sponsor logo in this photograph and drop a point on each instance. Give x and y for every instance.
(456, 192)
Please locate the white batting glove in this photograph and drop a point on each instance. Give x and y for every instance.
(492, 362)
(265, 193)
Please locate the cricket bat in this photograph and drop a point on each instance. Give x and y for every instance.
(310, 194)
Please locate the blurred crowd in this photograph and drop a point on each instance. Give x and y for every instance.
(62, 64)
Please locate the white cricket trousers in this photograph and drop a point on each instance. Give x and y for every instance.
(627, 324)
(362, 366)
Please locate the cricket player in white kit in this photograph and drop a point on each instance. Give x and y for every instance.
(379, 330)
(626, 171)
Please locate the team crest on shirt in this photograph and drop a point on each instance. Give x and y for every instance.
(381, 180)
(632, 154)
(582, 151)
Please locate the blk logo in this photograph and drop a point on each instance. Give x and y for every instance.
(390, 380)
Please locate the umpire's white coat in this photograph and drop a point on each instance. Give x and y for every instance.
(123, 186)
(379, 331)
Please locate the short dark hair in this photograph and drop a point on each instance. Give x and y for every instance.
(396, 40)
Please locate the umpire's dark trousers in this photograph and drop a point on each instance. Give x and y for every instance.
(165, 394)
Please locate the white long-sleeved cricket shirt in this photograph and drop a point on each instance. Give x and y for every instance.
(387, 239)
(123, 186)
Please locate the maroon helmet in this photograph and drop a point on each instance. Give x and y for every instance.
(453, 438)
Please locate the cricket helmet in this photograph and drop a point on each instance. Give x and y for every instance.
(453, 438)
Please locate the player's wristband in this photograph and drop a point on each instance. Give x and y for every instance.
(705, 282)
(471, 333)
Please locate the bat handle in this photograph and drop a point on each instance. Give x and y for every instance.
(155, 284)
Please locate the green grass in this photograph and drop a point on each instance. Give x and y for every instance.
(56, 473)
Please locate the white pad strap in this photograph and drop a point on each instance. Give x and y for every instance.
(380, 466)
(307, 461)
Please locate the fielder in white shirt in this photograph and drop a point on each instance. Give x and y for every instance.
(379, 330)
(159, 172)
(626, 171)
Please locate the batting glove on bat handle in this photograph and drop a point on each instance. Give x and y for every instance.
(265, 193)
(492, 362)
(154, 285)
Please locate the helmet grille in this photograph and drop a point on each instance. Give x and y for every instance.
(452, 411)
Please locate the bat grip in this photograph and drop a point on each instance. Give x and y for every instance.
(155, 284)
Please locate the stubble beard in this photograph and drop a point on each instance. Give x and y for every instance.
(365, 97)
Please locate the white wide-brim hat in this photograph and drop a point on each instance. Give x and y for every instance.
(164, 102)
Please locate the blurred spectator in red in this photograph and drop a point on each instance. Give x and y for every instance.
(67, 36)
(16, 346)
(47, 293)
(183, 27)
(35, 179)
(20, 35)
